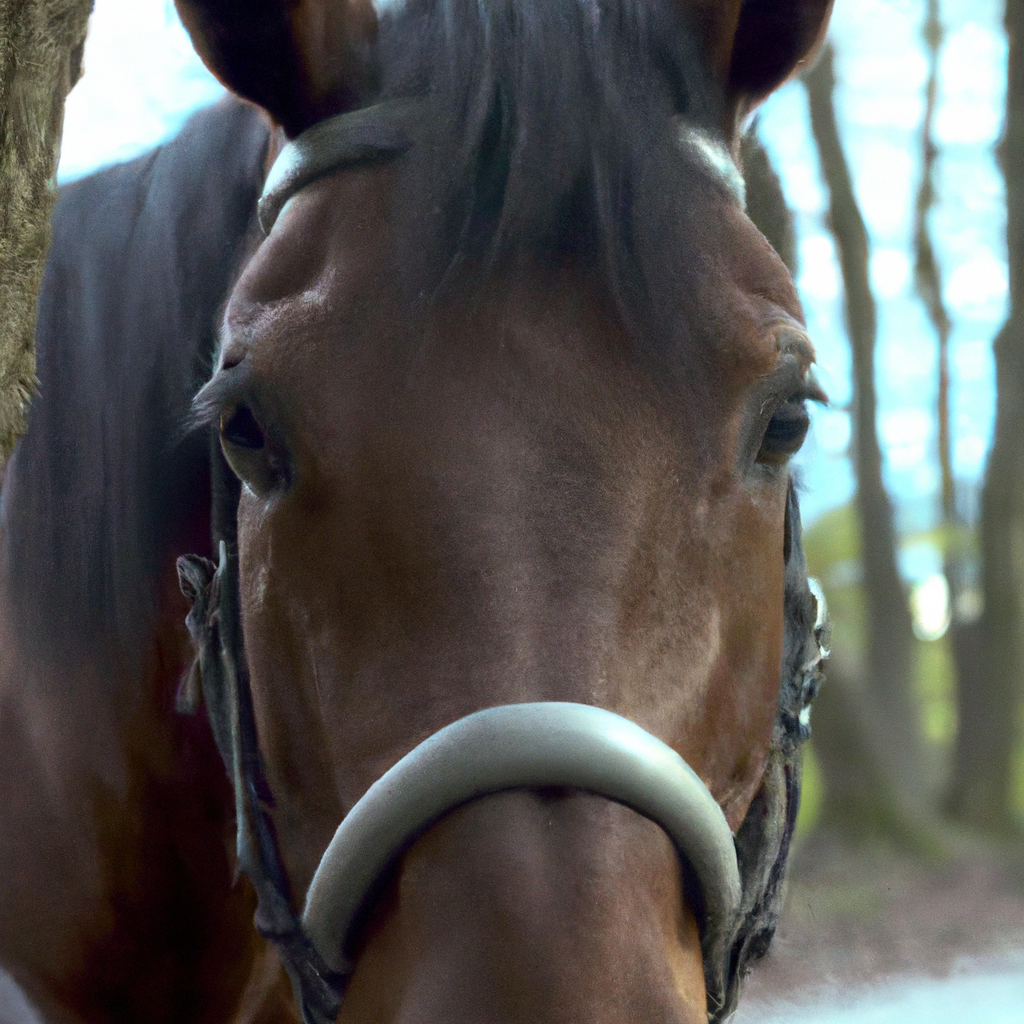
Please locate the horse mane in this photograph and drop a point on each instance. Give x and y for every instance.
(141, 260)
(551, 131)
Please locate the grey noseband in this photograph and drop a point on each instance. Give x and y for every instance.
(512, 747)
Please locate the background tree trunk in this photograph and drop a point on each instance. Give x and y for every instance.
(989, 701)
(866, 726)
(766, 202)
(926, 269)
(41, 44)
(965, 644)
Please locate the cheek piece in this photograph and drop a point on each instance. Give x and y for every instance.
(739, 878)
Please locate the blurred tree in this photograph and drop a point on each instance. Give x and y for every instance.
(766, 202)
(926, 269)
(866, 727)
(989, 699)
(964, 628)
(41, 44)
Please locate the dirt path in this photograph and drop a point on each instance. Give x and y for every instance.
(858, 921)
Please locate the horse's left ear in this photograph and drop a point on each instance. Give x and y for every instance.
(774, 39)
(753, 46)
(300, 60)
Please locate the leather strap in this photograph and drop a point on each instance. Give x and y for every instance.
(373, 133)
(215, 625)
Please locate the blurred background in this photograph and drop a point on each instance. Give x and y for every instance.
(885, 179)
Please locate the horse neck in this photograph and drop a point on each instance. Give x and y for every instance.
(122, 807)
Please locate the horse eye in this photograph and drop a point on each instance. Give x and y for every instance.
(258, 464)
(784, 434)
(240, 428)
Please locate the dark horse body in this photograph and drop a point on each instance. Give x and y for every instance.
(563, 376)
(117, 898)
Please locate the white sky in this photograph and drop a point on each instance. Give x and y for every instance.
(142, 78)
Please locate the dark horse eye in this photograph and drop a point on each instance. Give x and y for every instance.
(784, 434)
(240, 428)
(259, 465)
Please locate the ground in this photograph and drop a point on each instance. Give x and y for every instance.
(859, 916)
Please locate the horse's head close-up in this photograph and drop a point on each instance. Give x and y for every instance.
(511, 387)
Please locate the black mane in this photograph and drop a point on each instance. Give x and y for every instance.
(551, 131)
(142, 257)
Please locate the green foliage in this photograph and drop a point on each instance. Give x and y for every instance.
(832, 547)
(812, 793)
(935, 686)
(1017, 787)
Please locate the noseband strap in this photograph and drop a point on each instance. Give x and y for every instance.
(513, 747)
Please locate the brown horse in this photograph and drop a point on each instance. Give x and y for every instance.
(510, 389)
(117, 899)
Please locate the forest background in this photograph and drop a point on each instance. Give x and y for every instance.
(902, 158)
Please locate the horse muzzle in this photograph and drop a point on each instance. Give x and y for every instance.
(518, 746)
(522, 746)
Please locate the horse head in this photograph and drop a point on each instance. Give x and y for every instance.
(511, 387)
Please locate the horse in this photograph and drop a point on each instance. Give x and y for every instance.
(491, 469)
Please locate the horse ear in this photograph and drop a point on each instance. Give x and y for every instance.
(753, 46)
(774, 39)
(300, 60)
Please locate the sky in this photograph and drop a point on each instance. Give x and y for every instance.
(142, 78)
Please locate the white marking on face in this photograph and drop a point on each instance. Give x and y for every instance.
(715, 157)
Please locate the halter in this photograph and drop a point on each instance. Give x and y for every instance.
(512, 747)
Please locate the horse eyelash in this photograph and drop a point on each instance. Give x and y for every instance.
(809, 392)
(223, 391)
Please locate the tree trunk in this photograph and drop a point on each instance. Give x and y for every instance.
(41, 44)
(875, 721)
(926, 269)
(989, 704)
(964, 631)
(766, 203)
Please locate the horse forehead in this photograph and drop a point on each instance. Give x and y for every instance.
(329, 255)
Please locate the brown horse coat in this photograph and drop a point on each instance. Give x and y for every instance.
(117, 899)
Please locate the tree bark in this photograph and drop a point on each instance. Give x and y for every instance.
(989, 704)
(41, 44)
(926, 269)
(876, 720)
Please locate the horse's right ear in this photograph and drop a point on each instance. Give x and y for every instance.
(300, 60)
